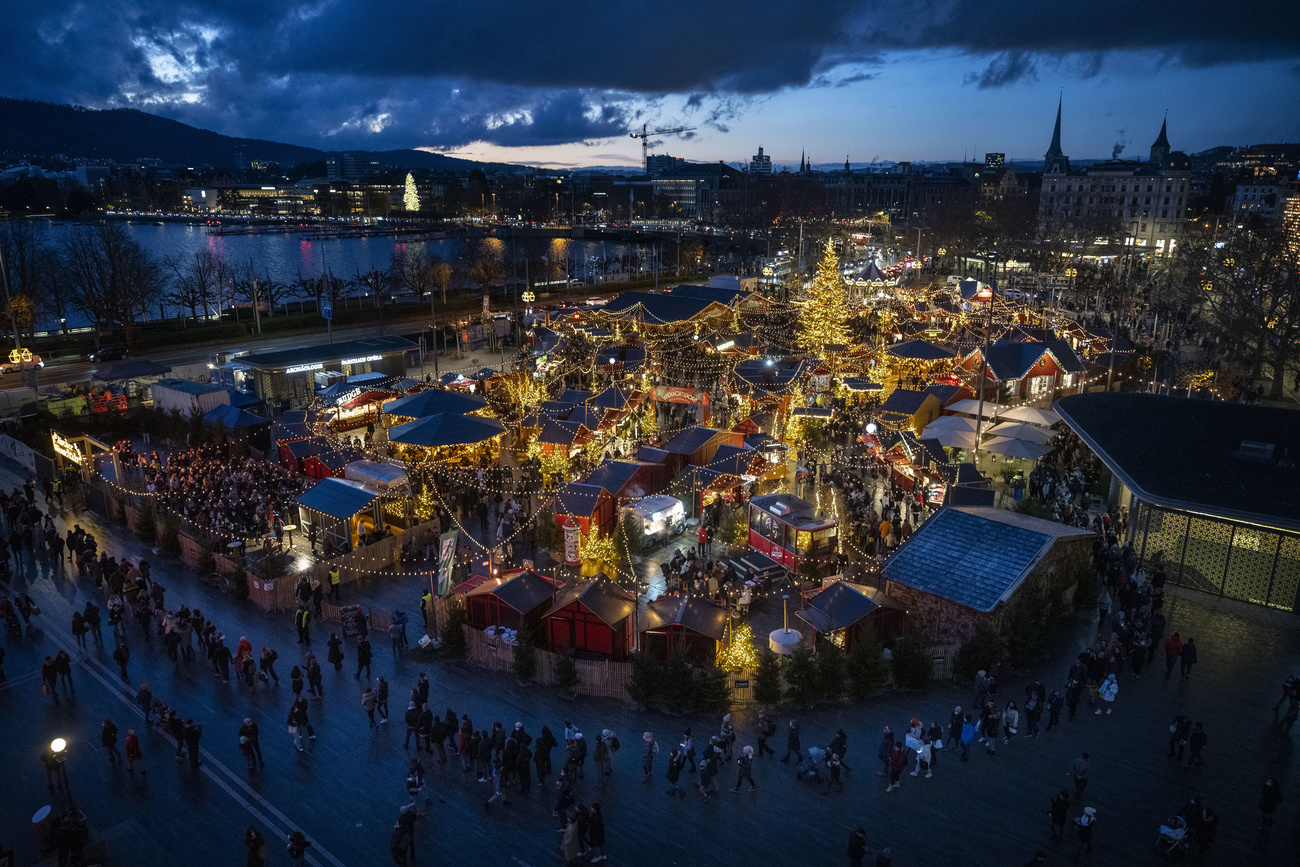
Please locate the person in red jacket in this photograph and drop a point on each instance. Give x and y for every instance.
(1173, 650)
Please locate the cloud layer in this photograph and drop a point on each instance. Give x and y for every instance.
(396, 73)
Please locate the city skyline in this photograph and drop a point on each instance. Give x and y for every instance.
(842, 80)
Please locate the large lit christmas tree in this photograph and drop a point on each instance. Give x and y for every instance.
(411, 197)
(822, 316)
(739, 655)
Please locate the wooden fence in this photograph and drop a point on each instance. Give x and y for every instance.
(599, 678)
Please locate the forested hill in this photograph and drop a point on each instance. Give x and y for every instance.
(40, 130)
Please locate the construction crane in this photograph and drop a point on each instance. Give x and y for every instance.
(644, 135)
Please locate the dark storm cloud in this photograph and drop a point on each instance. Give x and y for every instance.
(389, 73)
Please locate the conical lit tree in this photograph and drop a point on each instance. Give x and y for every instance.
(822, 316)
(411, 197)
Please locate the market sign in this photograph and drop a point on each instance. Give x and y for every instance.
(66, 449)
(572, 536)
(305, 368)
(446, 558)
(362, 360)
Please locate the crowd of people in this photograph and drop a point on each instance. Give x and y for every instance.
(228, 498)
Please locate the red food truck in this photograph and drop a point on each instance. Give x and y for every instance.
(788, 530)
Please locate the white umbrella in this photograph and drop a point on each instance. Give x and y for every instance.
(950, 437)
(1013, 448)
(952, 422)
(972, 406)
(1032, 415)
(1018, 431)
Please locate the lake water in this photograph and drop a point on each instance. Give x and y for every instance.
(286, 257)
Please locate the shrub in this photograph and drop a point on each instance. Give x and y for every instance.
(207, 563)
(171, 536)
(549, 535)
(525, 658)
(767, 679)
(628, 535)
(866, 664)
(978, 652)
(566, 675)
(453, 635)
(646, 682)
(710, 690)
(911, 664)
(145, 527)
(831, 671)
(801, 677)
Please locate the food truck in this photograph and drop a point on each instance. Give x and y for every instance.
(788, 530)
(662, 517)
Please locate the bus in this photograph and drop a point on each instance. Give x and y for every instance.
(788, 530)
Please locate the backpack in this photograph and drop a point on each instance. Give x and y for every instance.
(654, 748)
(613, 743)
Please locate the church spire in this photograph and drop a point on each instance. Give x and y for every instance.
(1055, 160)
(1160, 148)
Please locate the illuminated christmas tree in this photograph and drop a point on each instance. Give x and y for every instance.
(411, 198)
(425, 503)
(822, 317)
(739, 655)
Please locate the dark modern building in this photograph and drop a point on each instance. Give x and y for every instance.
(1212, 488)
(291, 376)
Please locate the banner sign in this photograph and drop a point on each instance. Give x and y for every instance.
(572, 536)
(446, 560)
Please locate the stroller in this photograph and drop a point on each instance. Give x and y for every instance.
(816, 756)
(1174, 838)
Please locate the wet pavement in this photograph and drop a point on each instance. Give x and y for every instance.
(345, 790)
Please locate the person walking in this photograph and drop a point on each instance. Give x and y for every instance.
(381, 705)
(897, 764)
(966, 737)
(297, 848)
(298, 721)
(649, 749)
(302, 620)
(133, 753)
(1187, 658)
(50, 678)
(295, 680)
(1196, 742)
(412, 719)
(1010, 722)
(108, 740)
(1109, 689)
(792, 743)
(676, 762)
(314, 687)
(1059, 812)
(1083, 827)
(364, 654)
(833, 768)
(1173, 650)
(1055, 702)
(79, 628)
(249, 730)
(1269, 798)
(596, 833)
(266, 663)
(368, 702)
(94, 622)
(497, 793)
(335, 654)
(765, 729)
(255, 845)
(1179, 731)
(335, 580)
(193, 733)
(857, 849)
(745, 769)
(1080, 770)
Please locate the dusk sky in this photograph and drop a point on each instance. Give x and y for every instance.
(562, 83)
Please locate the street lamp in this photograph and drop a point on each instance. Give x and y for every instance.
(55, 767)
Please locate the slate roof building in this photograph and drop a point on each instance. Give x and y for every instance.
(687, 624)
(906, 408)
(842, 610)
(593, 618)
(1028, 370)
(966, 565)
(1231, 527)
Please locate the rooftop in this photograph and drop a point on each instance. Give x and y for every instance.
(974, 555)
(1182, 453)
(329, 352)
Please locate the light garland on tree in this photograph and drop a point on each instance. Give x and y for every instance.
(739, 655)
(822, 316)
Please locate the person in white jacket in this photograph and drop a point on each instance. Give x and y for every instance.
(1109, 689)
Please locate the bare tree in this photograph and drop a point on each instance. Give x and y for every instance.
(110, 278)
(198, 282)
(32, 266)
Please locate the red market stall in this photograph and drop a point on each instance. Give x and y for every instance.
(515, 600)
(585, 506)
(788, 530)
(594, 617)
(685, 624)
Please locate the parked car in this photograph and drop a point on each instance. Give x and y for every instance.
(8, 365)
(108, 353)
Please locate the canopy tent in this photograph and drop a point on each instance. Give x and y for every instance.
(1020, 431)
(484, 373)
(950, 437)
(432, 402)
(333, 505)
(920, 350)
(131, 368)
(952, 422)
(1013, 448)
(445, 429)
(232, 418)
(872, 274)
(1031, 415)
(971, 406)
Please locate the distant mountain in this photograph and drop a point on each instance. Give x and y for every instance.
(36, 130)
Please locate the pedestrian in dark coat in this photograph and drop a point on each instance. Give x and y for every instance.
(193, 732)
(857, 849)
(1187, 658)
(364, 654)
(676, 762)
(108, 740)
(792, 747)
(295, 680)
(1059, 812)
(1269, 798)
(314, 686)
(886, 750)
(335, 655)
(255, 843)
(1196, 742)
(745, 769)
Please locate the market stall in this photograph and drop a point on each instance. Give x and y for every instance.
(594, 618)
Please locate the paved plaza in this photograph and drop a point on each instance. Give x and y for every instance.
(344, 792)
